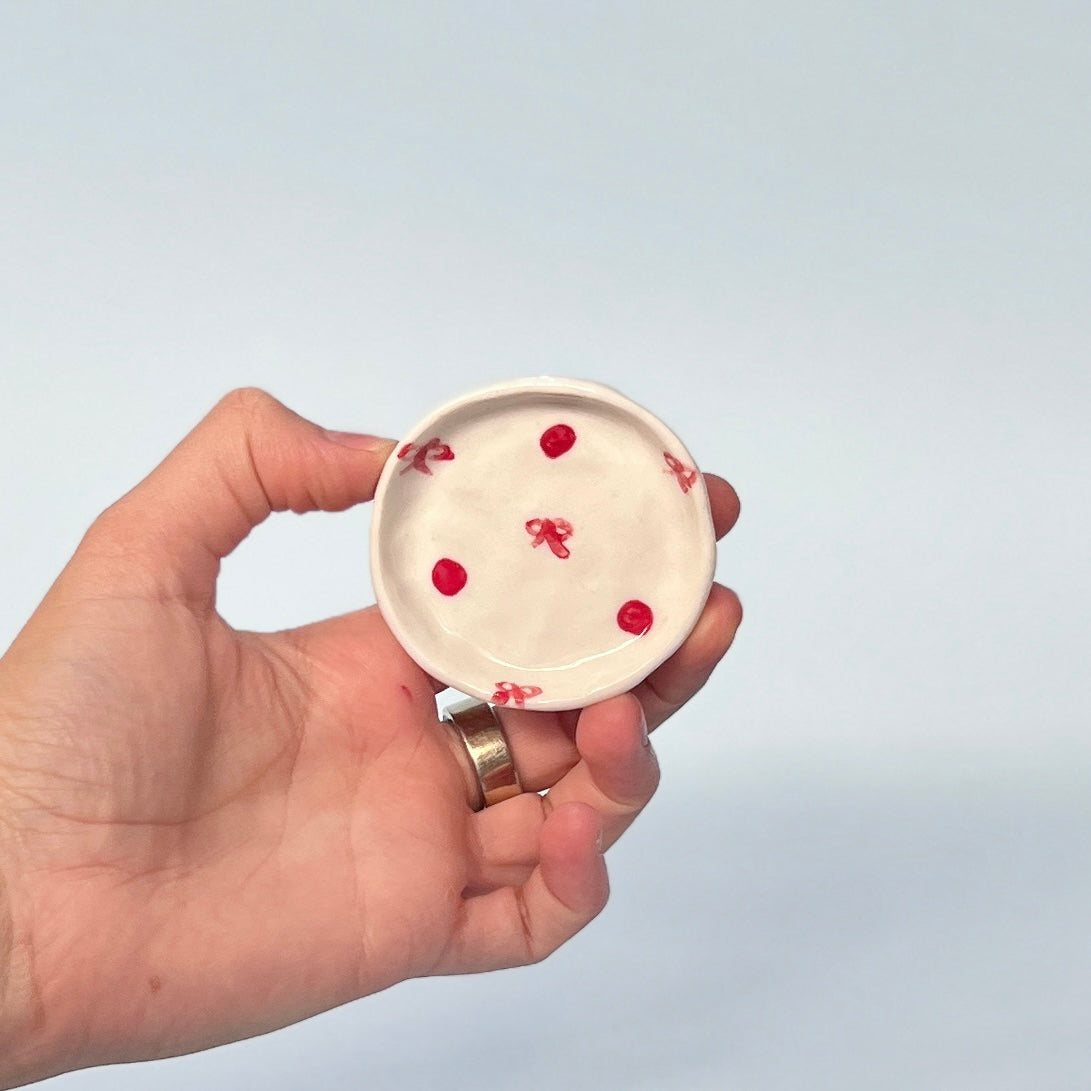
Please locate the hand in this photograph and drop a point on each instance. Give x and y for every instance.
(206, 834)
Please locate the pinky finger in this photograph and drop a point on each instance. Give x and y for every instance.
(515, 926)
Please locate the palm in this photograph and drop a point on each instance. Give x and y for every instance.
(265, 771)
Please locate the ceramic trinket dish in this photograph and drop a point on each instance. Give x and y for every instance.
(542, 543)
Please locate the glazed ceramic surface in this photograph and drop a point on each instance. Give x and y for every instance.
(542, 543)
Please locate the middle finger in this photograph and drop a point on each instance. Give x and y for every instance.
(616, 774)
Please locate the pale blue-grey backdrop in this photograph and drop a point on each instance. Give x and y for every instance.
(844, 249)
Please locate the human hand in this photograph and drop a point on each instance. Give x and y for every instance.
(206, 833)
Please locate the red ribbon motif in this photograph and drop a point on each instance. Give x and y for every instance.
(553, 532)
(509, 691)
(434, 450)
(685, 475)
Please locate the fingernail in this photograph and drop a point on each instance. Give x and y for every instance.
(645, 741)
(357, 441)
(598, 840)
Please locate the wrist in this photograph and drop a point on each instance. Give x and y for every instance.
(16, 993)
(24, 1057)
(17, 1021)
(20, 1019)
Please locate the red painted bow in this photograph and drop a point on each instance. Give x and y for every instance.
(553, 532)
(509, 691)
(685, 475)
(420, 453)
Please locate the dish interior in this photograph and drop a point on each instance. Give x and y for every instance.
(543, 546)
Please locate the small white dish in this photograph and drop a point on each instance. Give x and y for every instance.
(542, 543)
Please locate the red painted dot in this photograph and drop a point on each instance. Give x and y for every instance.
(557, 440)
(448, 576)
(635, 617)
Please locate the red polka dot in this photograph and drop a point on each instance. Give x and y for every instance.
(557, 440)
(448, 576)
(635, 617)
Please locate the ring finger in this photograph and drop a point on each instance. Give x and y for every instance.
(616, 773)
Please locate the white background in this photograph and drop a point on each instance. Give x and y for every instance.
(844, 250)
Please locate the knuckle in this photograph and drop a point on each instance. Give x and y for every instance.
(655, 778)
(727, 600)
(116, 542)
(655, 775)
(634, 796)
(247, 401)
(110, 527)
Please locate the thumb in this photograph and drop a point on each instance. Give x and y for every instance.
(250, 456)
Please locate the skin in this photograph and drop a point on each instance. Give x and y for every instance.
(207, 834)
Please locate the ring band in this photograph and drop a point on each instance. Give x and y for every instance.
(478, 726)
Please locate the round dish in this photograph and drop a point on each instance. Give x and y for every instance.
(542, 543)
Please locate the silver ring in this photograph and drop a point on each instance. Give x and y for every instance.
(486, 745)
